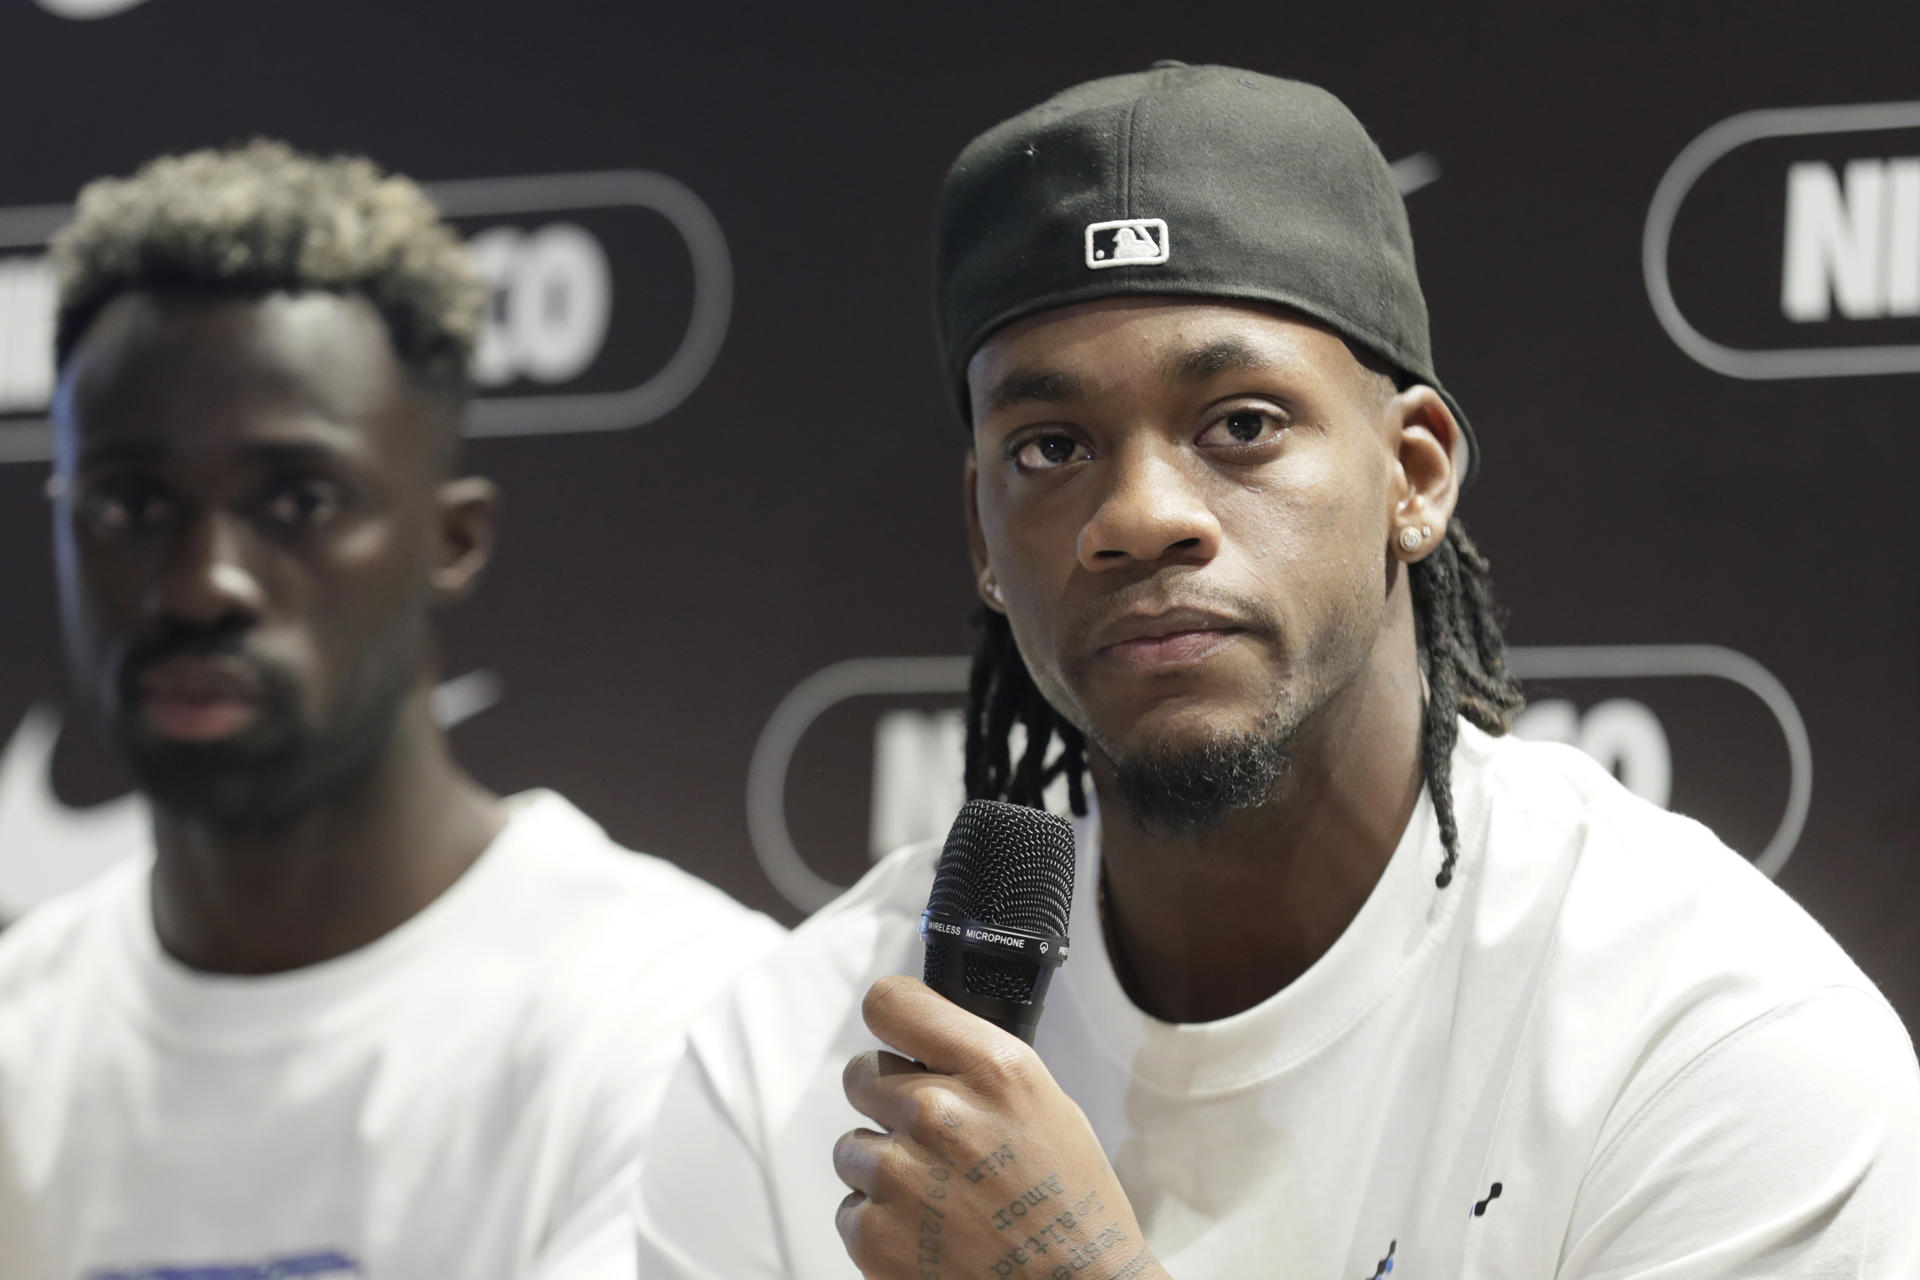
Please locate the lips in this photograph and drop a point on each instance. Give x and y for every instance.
(199, 699)
(1165, 641)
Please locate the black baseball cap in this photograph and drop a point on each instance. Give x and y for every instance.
(1182, 181)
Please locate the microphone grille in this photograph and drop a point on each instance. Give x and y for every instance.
(1006, 864)
(1003, 864)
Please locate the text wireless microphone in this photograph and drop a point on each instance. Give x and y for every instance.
(996, 921)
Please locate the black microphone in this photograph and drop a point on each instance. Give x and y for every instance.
(996, 922)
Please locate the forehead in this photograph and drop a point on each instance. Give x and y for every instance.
(190, 375)
(1116, 345)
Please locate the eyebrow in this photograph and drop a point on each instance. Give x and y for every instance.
(1056, 386)
(143, 450)
(1036, 386)
(1201, 363)
(283, 455)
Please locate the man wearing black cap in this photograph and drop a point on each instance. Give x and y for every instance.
(1359, 984)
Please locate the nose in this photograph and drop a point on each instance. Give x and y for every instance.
(206, 580)
(1151, 510)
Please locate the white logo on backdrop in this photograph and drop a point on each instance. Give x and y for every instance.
(918, 755)
(1852, 237)
(1852, 240)
(555, 296)
(82, 10)
(48, 846)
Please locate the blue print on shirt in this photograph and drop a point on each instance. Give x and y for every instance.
(329, 1264)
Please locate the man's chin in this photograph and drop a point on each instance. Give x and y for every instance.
(1176, 728)
(250, 744)
(245, 779)
(1188, 783)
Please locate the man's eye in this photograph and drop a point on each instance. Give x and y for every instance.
(1243, 426)
(1043, 453)
(303, 505)
(128, 510)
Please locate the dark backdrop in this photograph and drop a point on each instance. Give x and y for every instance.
(732, 471)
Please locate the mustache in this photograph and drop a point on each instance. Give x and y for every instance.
(1163, 593)
(174, 639)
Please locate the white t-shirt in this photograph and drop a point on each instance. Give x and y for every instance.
(468, 1096)
(19, 1236)
(1611, 1048)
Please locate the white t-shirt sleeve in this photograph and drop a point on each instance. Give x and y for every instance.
(1788, 1148)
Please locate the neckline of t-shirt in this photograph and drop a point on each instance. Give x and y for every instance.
(228, 1013)
(1402, 921)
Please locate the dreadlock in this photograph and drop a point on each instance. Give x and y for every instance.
(1462, 652)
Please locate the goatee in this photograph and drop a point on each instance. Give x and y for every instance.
(1193, 789)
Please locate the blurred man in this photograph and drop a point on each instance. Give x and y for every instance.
(358, 1016)
(1359, 985)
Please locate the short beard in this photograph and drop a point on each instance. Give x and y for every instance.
(235, 787)
(1193, 790)
(286, 766)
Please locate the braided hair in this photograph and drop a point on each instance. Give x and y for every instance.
(1462, 652)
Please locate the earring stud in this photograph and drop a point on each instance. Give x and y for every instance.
(992, 589)
(1412, 539)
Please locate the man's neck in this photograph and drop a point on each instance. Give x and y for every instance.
(331, 880)
(1203, 926)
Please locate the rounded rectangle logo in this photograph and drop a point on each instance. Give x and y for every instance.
(1786, 243)
(613, 292)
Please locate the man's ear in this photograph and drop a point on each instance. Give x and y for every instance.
(1430, 457)
(467, 509)
(983, 579)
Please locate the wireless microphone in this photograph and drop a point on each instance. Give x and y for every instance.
(996, 922)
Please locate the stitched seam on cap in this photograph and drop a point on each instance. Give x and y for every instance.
(1136, 125)
(1124, 157)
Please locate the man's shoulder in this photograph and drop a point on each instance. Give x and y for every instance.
(795, 1012)
(1542, 790)
(62, 936)
(1625, 874)
(564, 869)
(588, 928)
(1639, 945)
(870, 930)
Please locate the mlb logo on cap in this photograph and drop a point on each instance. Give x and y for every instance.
(1129, 242)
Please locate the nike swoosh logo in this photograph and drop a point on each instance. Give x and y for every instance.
(48, 846)
(85, 10)
(1410, 173)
